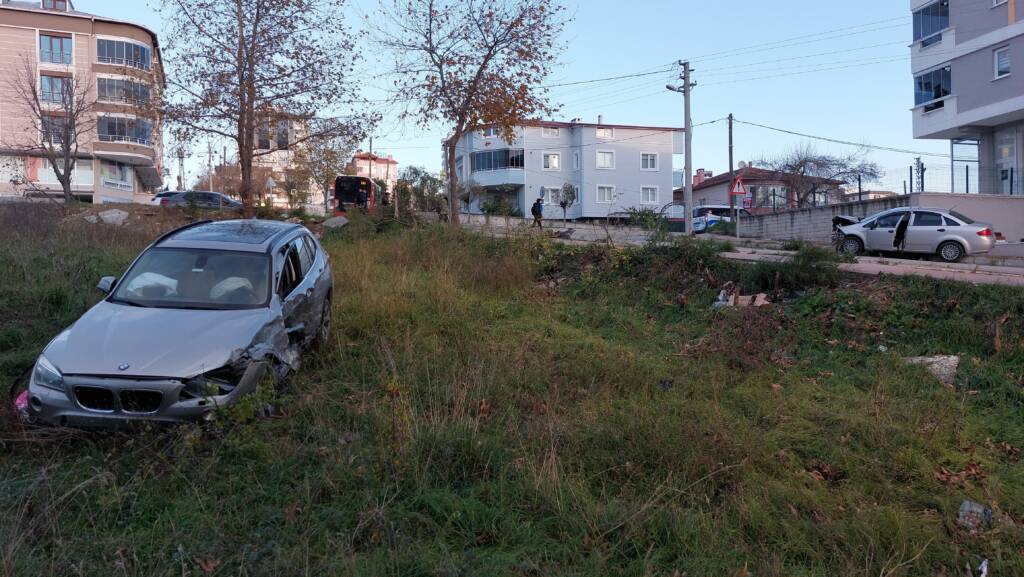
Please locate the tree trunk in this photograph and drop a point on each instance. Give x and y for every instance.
(453, 180)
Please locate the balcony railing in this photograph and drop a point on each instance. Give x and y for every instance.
(117, 185)
(52, 57)
(125, 138)
(140, 64)
(124, 100)
(53, 97)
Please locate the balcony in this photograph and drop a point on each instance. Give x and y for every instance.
(54, 57)
(125, 149)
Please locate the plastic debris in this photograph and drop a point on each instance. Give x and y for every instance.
(21, 405)
(974, 516)
(943, 367)
(883, 349)
(983, 569)
(728, 300)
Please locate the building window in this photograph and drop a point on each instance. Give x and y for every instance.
(497, 159)
(1001, 58)
(551, 132)
(119, 90)
(282, 135)
(606, 133)
(605, 159)
(116, 175)
(81, 175)
(55, 89)
(54, 49)
(120, 129)
(458, 167)
(61, 5)
(550, 195)
(123, 53)
(649, 161)
(53, 128)
(576, 161)
(489, 132)
(263, 136)
(649, 195)
(605, 194)
(552, 162)
(930, 21)
(931, 87)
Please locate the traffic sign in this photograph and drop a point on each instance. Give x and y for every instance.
(738, 189)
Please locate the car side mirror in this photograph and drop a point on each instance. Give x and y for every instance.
(106, 284)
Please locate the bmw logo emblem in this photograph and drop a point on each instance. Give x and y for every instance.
(123, 367)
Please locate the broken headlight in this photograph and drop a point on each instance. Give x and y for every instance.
(46, 375)
(212, 384)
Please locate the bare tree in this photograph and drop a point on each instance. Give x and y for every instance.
(812, 175)
(472, 63)
(325, 157)
(60, 118)
(241, 67)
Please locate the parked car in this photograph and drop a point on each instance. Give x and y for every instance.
(194, 325)
(939, 231)
(203, 200)
(158, 197)
(708, 215)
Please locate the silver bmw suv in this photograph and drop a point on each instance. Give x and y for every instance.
(195, 323)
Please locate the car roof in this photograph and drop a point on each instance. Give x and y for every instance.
(250, 235)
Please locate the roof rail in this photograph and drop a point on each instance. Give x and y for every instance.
(171, 233)
(283, 232)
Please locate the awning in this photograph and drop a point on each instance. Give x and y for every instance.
(150, 177)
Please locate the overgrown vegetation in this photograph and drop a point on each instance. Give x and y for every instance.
(518, 407)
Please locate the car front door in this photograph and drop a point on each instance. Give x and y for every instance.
(880, 237)
(296, 288)
(924, 232)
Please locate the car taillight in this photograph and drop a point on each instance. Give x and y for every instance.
(985, 232)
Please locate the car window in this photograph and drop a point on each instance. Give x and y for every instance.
(961, 217)
(291, 273)
(305, 259)
(927, 219)
(950, 222)
(196, 278)
(890, 220)
(310, 247)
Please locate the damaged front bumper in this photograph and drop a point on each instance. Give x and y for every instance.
(88, 401)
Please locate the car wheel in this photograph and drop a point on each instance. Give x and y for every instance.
(323, 333)
(951, 251)
(852, 245)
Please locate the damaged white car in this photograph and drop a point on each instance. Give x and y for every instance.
(195, 324)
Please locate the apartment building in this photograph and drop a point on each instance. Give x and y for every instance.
(968, 67)
(613, 167)
(120, 158)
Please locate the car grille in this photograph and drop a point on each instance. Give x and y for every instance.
(95, 398)
(141, 401)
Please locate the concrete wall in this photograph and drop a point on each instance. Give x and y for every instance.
(814, 224)
(974, 80)
(1005, 213)
(974, 18)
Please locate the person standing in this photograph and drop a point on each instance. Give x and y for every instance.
(538, 213)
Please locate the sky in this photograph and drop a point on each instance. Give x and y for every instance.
(797, 65)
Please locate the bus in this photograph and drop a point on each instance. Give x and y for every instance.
(350, 191)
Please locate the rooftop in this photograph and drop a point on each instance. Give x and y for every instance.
(752, 174)
(36, 6)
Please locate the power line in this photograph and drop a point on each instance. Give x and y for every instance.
(610, 78)
(845, 142)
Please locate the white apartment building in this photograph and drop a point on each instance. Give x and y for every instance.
(613, 167)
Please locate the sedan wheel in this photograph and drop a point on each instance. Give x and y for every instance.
(951, 251)
(852, 245)
(323, 334)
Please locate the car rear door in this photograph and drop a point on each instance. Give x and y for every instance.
(924, 232)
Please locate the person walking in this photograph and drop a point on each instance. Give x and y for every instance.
(538, 213)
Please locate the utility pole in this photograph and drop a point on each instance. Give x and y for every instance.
(686, 90)
(732, 180)
(209, 164)
(920, 173)
(181, 167)
(372, 183)
(860, 189)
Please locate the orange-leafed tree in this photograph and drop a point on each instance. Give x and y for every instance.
(472, 63)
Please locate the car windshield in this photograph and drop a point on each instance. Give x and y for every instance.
(962, 218)
(196, 279)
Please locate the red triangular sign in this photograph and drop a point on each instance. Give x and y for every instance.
(738, 189)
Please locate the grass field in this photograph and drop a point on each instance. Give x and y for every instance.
(519, 408)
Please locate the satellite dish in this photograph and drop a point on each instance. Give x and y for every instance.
(742, 165)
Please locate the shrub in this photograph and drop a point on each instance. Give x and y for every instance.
(811, 266)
